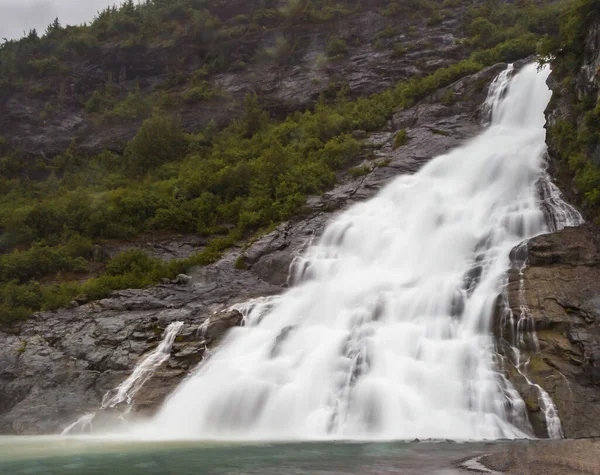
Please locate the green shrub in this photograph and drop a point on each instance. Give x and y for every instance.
(392, 9)
(131, 261)
(96, 103)
(401, 138)
(240, 262)
(159, 140)
(202, 92)
(398, 51)
(46, 66)
(435, 18)
(447, 97)
(281, 50)
(336, 47)
(132, 107)
(359, 171)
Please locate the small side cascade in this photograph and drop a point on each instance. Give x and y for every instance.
(83, 425)
(143, 371)
(128, 388)
(523, 345)
(522, 337)
(497, 91)
(559, 213)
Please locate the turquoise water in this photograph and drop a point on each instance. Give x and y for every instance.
(54, 456)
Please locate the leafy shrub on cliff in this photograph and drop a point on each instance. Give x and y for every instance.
(159, 140)
(336, 47)
(200, 93)
(280, 50)
(45, 66)
(400, 139)
(40, 260)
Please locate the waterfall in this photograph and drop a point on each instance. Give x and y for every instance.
(125, 392)
(143, 370)
(522, 336)
(386, 332)
(496, 94)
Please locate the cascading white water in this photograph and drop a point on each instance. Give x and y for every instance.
(387, 331)
(523, 339)
(496, 94)
(125, 392)
(143, 370)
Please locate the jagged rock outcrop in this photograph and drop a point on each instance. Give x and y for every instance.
(57, 366)
(560, 287)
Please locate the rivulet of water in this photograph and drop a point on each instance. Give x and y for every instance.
(125, 392)
(386, 333)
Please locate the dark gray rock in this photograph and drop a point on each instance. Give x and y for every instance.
(61, 363)
(561, 289)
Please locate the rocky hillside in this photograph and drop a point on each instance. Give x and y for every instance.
(58, 365)
(95, 85)
(186, 127)
(194, 156)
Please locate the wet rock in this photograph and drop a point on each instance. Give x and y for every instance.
(561, 289)
(63, 362)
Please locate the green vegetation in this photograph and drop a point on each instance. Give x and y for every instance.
(577, 135)
(227, 184)
(336, 47)
(401, 138)
(448, 97)
(398, 51)
(359, 171)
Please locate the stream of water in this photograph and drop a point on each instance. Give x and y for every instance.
(386, 334)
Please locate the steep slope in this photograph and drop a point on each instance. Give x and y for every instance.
(58, 365)
(189, 126)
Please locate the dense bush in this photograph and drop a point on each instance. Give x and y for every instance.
(336, 47)
(159, 140)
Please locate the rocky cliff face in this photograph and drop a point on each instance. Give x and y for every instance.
(560, 288)
(58, 365)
